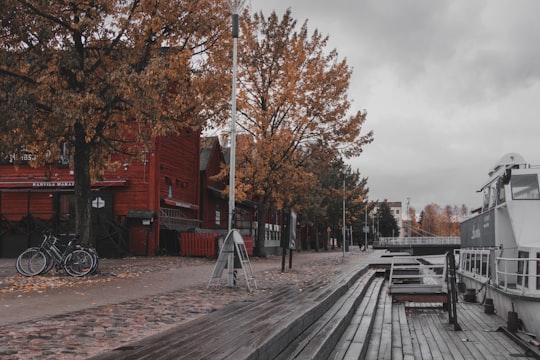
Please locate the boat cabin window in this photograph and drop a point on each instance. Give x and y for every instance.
(501, 196)
(493, 196)
(485, 204)
(484, 267)
(475, 262)
(525, 187)
(538, 271)
(466, 265)
(523, 269)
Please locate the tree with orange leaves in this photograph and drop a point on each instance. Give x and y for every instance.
(100, 76)
(292, 99)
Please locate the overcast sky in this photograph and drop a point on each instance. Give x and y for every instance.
(450, 86)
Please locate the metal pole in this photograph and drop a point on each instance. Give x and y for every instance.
(232, 161)
(343, 225)
(236, 6)
(365, 232)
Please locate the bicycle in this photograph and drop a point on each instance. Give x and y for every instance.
(31, 262)
(74, 259)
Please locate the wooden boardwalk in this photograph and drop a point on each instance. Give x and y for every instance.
(354, 318)
(433, 338)
(422, 331)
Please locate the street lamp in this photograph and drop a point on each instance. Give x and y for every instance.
(235, 6)
(366, 227)
(343, 225)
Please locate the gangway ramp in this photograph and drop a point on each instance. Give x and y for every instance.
(419, 279)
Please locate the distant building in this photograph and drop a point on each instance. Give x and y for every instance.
(395, 209)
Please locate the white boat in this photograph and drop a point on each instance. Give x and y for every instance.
(500, 245)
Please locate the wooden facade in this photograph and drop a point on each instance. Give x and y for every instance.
(137, 209)
(141, 208)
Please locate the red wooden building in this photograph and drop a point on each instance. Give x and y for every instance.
(163, 200)
(137, 209)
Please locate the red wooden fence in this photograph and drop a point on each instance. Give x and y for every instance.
(206, 244)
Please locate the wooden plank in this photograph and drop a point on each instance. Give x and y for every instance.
(249, 324)
(360, 342)
(348, 335)
(312, 335)
(375, 338)
(417, 332)
(483, 328)
(333, 325)
(416, 346)
(385, 349)
(187, 336)
(443, 333)
(408, 353)
(475, 337)
(426, 298)
(397, 345)
(433, 343)
(468, 348)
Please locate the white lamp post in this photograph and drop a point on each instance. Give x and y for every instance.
(343, 225)
(236, 6)
(366, 227)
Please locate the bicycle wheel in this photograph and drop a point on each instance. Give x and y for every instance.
(95, 257)
(78, 263)
(31, 262)
(50, 263)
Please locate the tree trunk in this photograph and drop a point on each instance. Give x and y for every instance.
(261, 231)
(82, 186)
(316, 227)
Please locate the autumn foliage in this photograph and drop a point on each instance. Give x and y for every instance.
(435, 220)
(293, 111)
(105, 77)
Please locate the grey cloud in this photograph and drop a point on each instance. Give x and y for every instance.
(449, 86)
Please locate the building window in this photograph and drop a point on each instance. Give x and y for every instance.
(525, 187)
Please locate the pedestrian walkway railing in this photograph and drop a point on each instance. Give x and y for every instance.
(416, 241)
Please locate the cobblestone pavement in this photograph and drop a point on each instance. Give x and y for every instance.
(138, 310)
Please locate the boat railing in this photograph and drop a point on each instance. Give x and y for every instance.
(515, 275)
(417, 273)
(410, 241)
